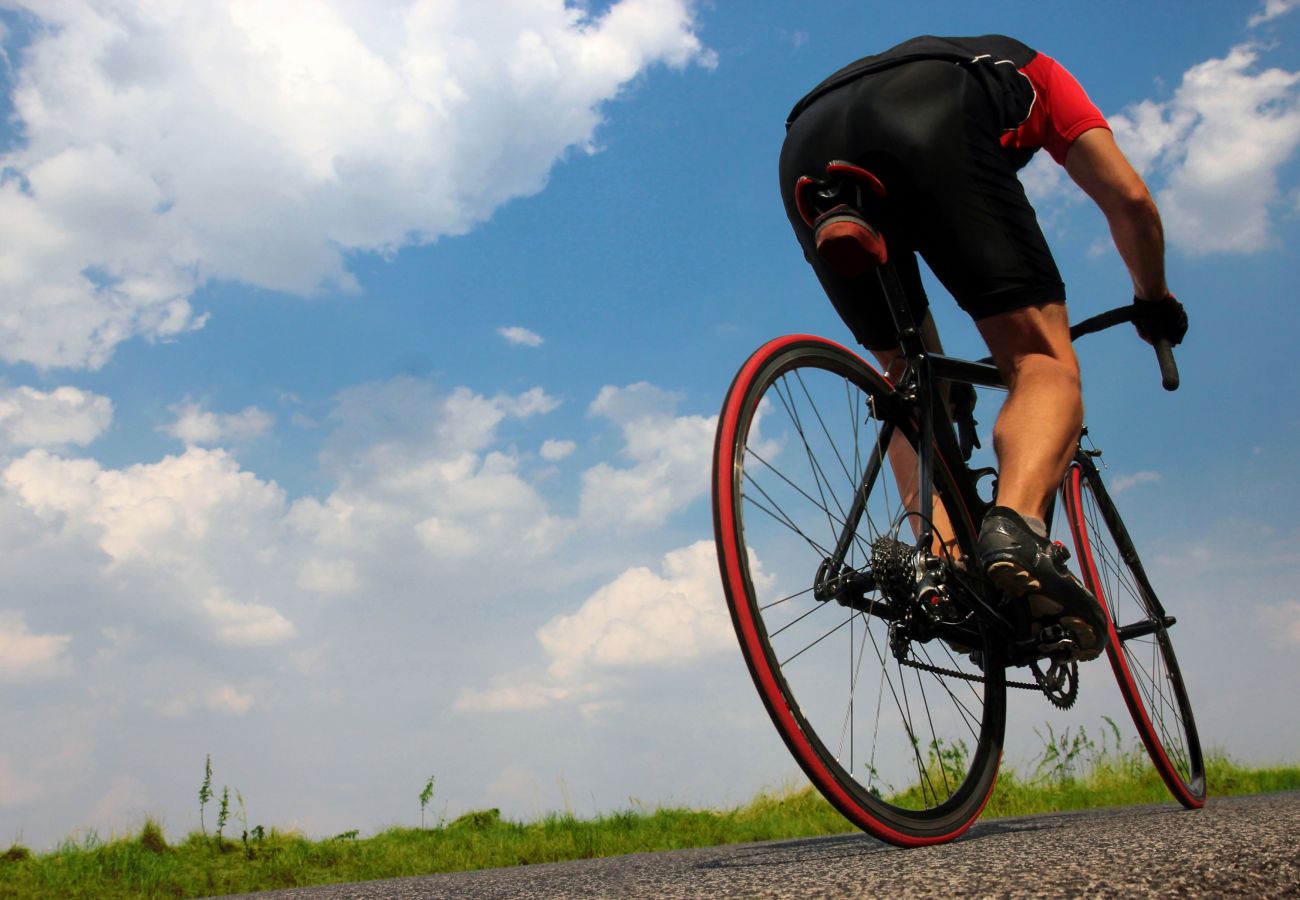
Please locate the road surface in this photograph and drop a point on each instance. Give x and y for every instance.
(1236, 846)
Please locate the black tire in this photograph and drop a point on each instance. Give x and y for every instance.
(1141, 651)
(907, 754)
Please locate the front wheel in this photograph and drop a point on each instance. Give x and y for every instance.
(900, 729)
(1140, 650)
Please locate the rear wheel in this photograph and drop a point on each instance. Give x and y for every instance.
(1140, 650)
(900, 729)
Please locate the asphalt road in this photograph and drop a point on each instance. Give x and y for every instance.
(1238, 846)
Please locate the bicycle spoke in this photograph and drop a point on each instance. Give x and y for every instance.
(820, 480)
(1145, 665)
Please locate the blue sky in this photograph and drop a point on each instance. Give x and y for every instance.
(358, 368)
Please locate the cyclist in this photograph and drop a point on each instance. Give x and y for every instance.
(946, 123)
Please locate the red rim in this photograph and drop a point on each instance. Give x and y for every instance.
(1114, 650)
(752, 643)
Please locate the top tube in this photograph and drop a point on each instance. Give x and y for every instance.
(983, 373)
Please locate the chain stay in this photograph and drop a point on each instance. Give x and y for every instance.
(965, 676)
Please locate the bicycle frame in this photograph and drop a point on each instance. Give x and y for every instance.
(929, 639)
(918, 397)
(920, 380)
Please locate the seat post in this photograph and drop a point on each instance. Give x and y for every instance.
(926, 395)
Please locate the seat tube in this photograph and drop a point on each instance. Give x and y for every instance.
(922, 381)
(925, 452)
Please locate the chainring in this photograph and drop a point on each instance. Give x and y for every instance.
(1060, 683)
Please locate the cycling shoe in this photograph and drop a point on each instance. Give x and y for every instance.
(1023, 564)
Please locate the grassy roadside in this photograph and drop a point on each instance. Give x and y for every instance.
(145, 865)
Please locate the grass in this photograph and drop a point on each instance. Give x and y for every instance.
(1074, 772)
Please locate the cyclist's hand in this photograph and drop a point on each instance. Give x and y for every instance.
(1160, 319)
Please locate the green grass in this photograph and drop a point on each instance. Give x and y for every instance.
(1073, 773)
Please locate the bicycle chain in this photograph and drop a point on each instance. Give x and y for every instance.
(966, 676)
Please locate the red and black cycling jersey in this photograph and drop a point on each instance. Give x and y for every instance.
(1038, 103)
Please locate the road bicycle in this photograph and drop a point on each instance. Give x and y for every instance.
(882, 658)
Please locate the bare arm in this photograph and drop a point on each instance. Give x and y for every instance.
(1100, 168)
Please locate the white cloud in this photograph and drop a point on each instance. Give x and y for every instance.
(196, 425)
(154, 513)
(1218, 146)
(25, 656)
(1272, 9)
(328, 576)
(1122, 483)
(531, 402)
(1282, 621)
(417, 471)
(191, 538)
(519, 691)
(427, 497)
(246, 623)
(641, 618)
(168, 144)
(65, 415)
(555, 450)
(520, 337)
(1045, 180)
(229, 700)
(186, 584)
(669, 454)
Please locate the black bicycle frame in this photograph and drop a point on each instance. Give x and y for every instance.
(916, 397)
(1128, 553)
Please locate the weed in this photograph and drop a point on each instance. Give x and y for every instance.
(425, 796)
(152, 839)
(15, 854)
(479, 820)
(223, 812)
(1076, 769)
(242, 817)
(205, 791)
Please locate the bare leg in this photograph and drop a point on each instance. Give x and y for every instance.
(1036, 431)
(903, 459)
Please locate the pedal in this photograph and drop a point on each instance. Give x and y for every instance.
(1055, 641)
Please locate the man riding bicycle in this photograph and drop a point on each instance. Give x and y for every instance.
(945, 123)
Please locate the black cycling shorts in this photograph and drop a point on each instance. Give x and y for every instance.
(927, 130)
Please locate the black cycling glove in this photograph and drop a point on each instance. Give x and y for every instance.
(1160, 319)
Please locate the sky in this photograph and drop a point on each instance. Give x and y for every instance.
(360, 361)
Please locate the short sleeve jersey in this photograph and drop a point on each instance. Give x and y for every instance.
(1039, 104)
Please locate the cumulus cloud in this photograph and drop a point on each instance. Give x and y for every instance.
(1217, 147)
(555, 450)
(246, 623)
(196, 425)
(417, 468)
(1272, 9)
(148, 513)
(26, 656)
(65, 415)
(644, 617)
(520, 337)
(167, 144)
(641, 618)
(669, 458)
(426, 493)
(191, 537)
